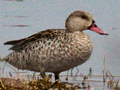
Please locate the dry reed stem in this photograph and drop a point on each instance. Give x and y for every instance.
(105, 67)
(2, 84)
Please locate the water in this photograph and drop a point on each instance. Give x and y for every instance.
(22, 18)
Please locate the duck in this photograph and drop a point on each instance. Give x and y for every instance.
(55, 50)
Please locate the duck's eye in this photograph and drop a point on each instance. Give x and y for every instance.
(84, 17)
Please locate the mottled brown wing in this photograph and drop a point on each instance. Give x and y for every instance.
(13, 42)
(19, 45)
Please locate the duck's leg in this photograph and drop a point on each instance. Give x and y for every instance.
(42, 74)
(56, 76)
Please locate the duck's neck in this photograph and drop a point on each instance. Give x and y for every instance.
(73, 31)
(75, 34)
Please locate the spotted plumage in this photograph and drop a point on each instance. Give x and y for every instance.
(55, 50)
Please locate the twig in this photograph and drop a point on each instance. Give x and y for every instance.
(104, 79)
(2, 84)
(71, 72)
(76, 73)
(105, 67)
(11, 68)
(67, 76)
(111, 75)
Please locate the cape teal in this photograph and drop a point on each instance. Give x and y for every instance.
(55, 50)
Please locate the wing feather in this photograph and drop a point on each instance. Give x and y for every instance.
(19, 45)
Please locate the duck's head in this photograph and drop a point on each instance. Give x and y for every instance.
(81, 20)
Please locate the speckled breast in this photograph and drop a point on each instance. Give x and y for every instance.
(76, 51)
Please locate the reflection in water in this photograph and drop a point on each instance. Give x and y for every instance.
(14, 0)
(16, 25)
(16, 16)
